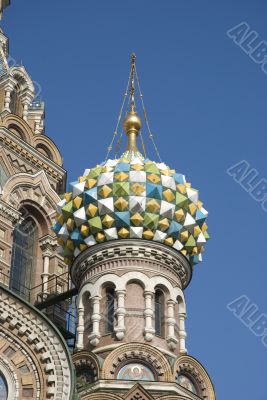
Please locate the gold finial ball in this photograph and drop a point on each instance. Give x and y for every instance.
(132, 122)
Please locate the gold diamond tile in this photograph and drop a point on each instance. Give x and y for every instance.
(153, 178)
(148, 234)
(77, 202)
(152, 206)
(70, 224)
(70, 245)
(137, 188)
(121, 204)
(121, 176)
(201, 249)
(100, 237)
(179, 215)
(83, 246)
(105, 191)
(197, 231)
(192, 208)
(184, 252)
(137, 219)
(90, 183)
(188, 185)
(81, 179)
(123, 233)
(92, 210)
(137, 167)
(181, 188)
(107, 221)
(164, 224)
(194, 251)
(204, 227)
(168, 195)
(68, 196)
(169, 241)
(184, 236)
(84, 230)
(168, 172)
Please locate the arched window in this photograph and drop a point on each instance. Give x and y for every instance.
(23, 256)
(84, 376)
(3, 388)
(110, 305)
(159, 313)
(45, 151)
(13, 102)
(186, 382)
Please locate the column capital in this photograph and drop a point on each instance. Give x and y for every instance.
(48, 245)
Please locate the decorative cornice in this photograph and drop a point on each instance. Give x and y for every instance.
(130, 251)
(9, 212)
(48, 244)
(29, 153)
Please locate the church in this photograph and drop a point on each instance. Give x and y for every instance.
(93, 272)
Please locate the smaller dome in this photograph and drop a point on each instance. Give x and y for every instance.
(131, 197)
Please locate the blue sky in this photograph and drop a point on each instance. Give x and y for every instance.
(206, 101)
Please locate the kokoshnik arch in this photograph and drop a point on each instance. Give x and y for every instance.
(130, 231)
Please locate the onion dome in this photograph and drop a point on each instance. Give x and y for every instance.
(131, 197)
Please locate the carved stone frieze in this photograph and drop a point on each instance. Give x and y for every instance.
(31, 331)
(143, 255)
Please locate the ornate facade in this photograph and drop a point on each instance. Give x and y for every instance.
(125, 239)
(34, 359)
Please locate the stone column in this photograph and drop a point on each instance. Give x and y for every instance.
(171, 339)
(80, 328)
(48, 246)
(120, 312)
(96, 317)
(182, 333)
(9, 87)
(45, 275)
(26, 101)
(148, 314)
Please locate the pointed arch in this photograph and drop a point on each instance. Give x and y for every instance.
(34, 190)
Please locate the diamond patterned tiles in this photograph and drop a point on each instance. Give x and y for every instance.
(131, 198)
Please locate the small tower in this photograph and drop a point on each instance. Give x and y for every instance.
(132, 230)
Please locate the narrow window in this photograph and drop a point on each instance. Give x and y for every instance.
(23, 257)
(110, 294)
(159, 304)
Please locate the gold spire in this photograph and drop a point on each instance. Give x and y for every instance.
(132, 123)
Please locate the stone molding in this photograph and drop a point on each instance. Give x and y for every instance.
(11, 379)
(137, 352)
(192, 368)
(9, 212)
(131, 253)
(84, 358)
(31, 327)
